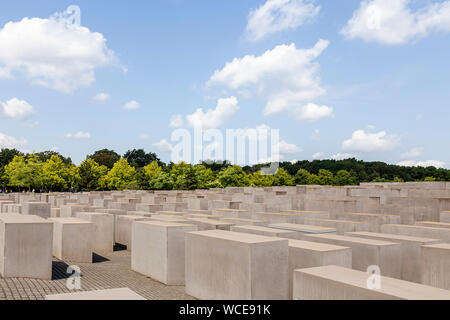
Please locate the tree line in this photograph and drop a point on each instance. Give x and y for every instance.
(107, 170)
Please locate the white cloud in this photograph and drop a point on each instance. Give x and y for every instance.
(101, 97)
(413, 153)
(11, 142)
(132, 105)
(163, 145)
(392, 22)
(176, 121)
(16, 109)
(312, 112)
(371, 142)
(342, 156)
(53, 52)
(78, 135)
(214, 118)
(425, 164)
(285, 76)
(287, 148)
(144, 136)
(278, 15)
(318, 155)
(419, 117)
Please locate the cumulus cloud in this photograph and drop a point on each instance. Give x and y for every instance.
(312, 112)
(101, 97)
(11, 142)
(318, 155)
(16, 109)
(425, 164)
(53, 53)
(342, 156)
(163, 145)
(132, 105)
(413, 153)
(78, 135)
(288, 148)
(278, 15)
(214, 118)
(371, 142)
(176, 121)
(393, 22)
(285, 76)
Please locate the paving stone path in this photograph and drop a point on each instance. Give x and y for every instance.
(106, 272)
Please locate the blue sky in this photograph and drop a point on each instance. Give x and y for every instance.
(377, 86)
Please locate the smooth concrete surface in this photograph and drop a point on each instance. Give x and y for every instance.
(435, 265)
(306, 254)
(25, 246)
(157, 250)
(120, 294)
(338, 283)
(73, 239)
(367, 252)
(103, 238)
(225, 265)
(410, 251)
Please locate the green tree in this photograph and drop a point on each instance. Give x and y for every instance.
(429, 179)
(258, 179)
(302, 177)
(89, 174)
(122, 176)
(105, 157)
(205, 177)
(56, 174)
(233, 176)
(344, 178)
(282, 178)
(163, 181)
(326, 177)
(7, 155)
(25, 172)
(139, 159)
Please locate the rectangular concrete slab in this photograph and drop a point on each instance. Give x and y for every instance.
(367, 252)
(302, 229)
(224, 265)
(25, 247)
(306, 254)
(435, 265)
(338, 283)
(120, 294)
(157, 250)
(410, 251)
(73, 239)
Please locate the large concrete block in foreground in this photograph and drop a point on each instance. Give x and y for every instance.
(40, 209)
(120, 294)
(367, 252)
(73, 239)
(264, 231)
(410, 251)
(157, 250)
(225, 265)
(124, 227)
(103, 230)
(25, 247)
(338, 283)
(435, 266)
(306, 254)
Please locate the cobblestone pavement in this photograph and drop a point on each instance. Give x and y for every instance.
(106, 272)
